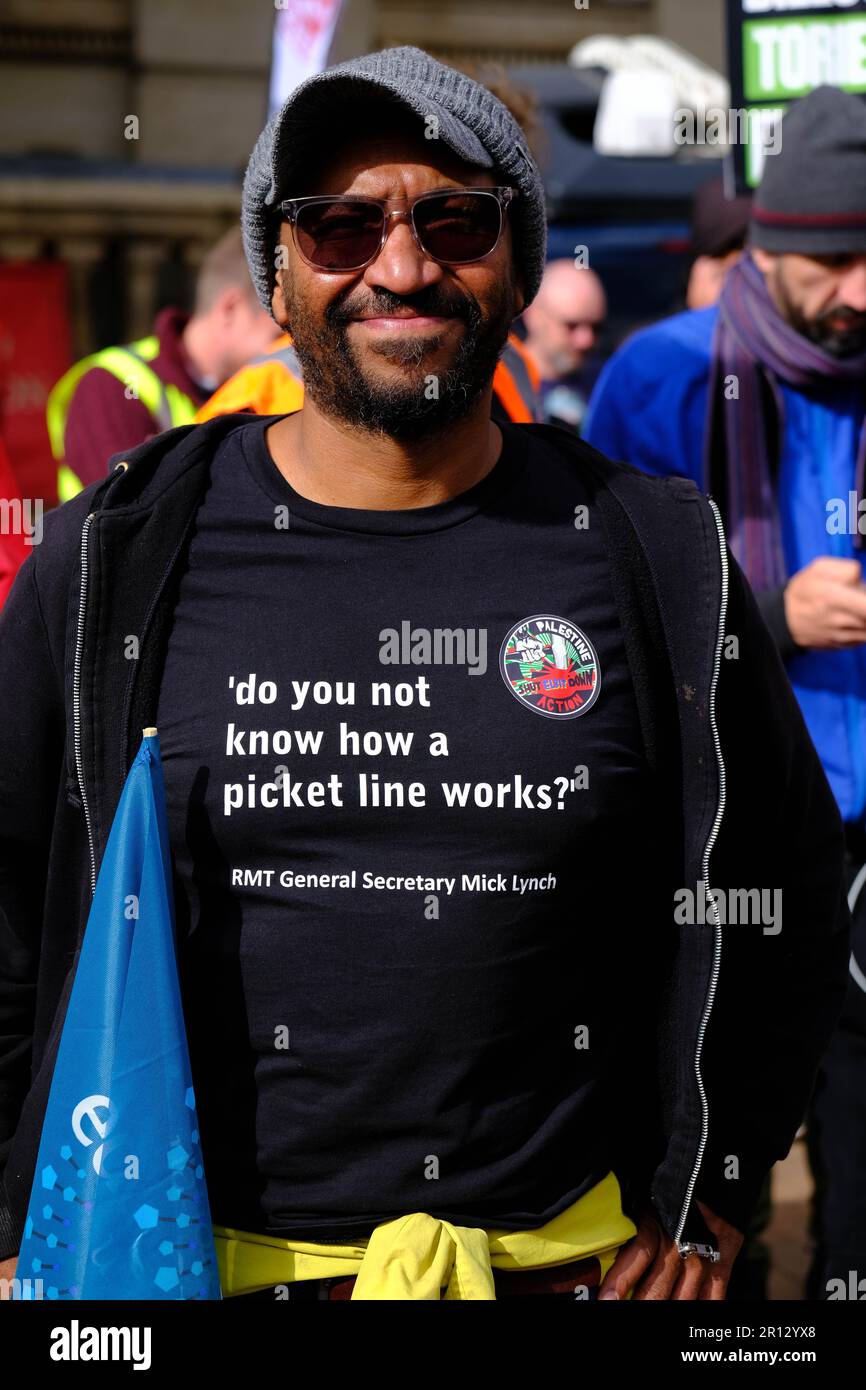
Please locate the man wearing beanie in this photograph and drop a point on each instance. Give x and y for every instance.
(761, 401)
(452, 752)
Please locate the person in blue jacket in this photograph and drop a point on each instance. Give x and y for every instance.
(761, 400)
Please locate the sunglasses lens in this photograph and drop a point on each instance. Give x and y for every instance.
(337, 235)
(458, 227)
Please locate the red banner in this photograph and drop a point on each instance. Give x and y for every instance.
(20, 526)
(34, 352)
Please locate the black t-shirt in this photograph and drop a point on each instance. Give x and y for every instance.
(409, 810)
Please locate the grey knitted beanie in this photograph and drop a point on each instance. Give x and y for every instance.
(470, 120)
(812, 196)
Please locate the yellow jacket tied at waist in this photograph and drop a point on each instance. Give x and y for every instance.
(418, 1256)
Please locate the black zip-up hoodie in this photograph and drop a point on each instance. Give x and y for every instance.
(745, 1015)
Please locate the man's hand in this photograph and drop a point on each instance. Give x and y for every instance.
(7, 1271)
(825, 604)
(652, 1267)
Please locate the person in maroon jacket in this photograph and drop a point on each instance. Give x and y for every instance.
(119, 397)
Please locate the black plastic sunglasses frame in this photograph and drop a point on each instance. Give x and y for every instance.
(290, 207)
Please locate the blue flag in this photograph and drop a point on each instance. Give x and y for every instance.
(119, 1206)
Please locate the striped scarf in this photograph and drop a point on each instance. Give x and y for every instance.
(754, 344)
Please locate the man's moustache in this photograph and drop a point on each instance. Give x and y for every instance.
(436, 307)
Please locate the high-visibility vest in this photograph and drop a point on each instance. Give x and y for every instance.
(167, 404)
(516, 383)
(271, 384)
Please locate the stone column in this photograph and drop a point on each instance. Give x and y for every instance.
(81, 254)
(142, 260)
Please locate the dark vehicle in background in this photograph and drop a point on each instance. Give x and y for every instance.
(631, 213)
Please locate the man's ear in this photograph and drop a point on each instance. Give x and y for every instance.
(281, 269)
(227, 303)
(278, 307)
(764, 260)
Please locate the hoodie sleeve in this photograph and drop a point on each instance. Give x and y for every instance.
(771, 603)
(31, 762)
(783, 972)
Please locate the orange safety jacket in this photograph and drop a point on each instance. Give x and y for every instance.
(516, 383)
(271, 384)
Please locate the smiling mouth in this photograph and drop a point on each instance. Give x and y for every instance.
(405, 322)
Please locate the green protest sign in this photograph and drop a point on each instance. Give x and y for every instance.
(779, 50)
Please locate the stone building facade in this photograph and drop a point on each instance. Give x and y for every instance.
(125, 124)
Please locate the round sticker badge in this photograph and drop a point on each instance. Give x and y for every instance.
(549, 665)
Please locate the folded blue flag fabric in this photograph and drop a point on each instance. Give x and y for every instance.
(119, 1206)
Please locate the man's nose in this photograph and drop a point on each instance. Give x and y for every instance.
(852, 290)
(401, 266)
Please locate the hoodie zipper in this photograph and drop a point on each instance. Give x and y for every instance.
(690, 1247)
(76, 699)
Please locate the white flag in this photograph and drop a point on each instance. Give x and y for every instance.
(303, 33)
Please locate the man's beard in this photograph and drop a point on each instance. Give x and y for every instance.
(839, 342)
(418, 403)
(567, 364)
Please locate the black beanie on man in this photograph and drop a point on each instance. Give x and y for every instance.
(812, 196)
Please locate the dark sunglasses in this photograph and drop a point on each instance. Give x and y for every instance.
(453, 225)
